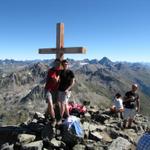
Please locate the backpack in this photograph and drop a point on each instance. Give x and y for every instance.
(72, 131)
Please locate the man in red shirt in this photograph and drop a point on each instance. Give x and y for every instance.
(51, 87)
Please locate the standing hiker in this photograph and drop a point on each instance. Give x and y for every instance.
(51, 87)
(132, 105)
(67, 80)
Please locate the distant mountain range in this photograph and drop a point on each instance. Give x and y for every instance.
(97, 81)
(102, 61)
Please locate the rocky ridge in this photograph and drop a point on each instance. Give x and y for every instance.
(102, 131)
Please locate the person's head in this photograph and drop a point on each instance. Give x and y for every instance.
(65, 64)
(118, 95)
(57, 63)
(134, 87)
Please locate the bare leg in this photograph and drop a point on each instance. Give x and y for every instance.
(67, 110)
(130, 122)
(121, 115)
(51, 109)
(62, 110)
(125, 123)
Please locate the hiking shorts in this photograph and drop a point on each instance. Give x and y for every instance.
(129, 113)
(63, 97)
(50, 96)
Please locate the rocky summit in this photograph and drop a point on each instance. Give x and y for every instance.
(102, 131)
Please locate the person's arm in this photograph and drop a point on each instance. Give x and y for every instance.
(72, 80)
(52, 75)
(138, 104)
(71, 85)
(57, 77)
(127, 97)
(48, 76)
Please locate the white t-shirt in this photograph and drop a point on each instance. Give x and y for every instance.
(118, 102)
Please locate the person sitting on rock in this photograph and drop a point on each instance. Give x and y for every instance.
(118, 105)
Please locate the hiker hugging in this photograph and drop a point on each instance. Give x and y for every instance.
(59, 82)
(126, 108)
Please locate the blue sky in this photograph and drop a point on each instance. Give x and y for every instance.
(117, 29)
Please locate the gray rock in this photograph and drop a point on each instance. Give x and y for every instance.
(132, 135)
(55, 143)
(38, 115)
(69, 138)
(93, 127)
(47, 132)
(36, 127)
(93, 109)
(100, 146)
(26, 138)
(79, 147)
(86, 125)
(9, 133)
(101, 118)
(89, 144)
(95, 136)
(120, 144)
(101, 127)
(106, 137)
(6, 146)
(33, 146)
(87, 116)
(113, 133)
(34, 120)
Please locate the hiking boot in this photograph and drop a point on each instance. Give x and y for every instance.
(129, 127)
(123, 127)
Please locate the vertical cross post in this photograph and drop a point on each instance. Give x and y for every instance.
(60, 40)
(60, 49)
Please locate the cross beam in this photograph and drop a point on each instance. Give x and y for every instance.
(60, 49)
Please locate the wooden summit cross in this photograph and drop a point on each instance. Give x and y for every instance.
(60, 49)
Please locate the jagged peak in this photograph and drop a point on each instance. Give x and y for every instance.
(105, 61)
